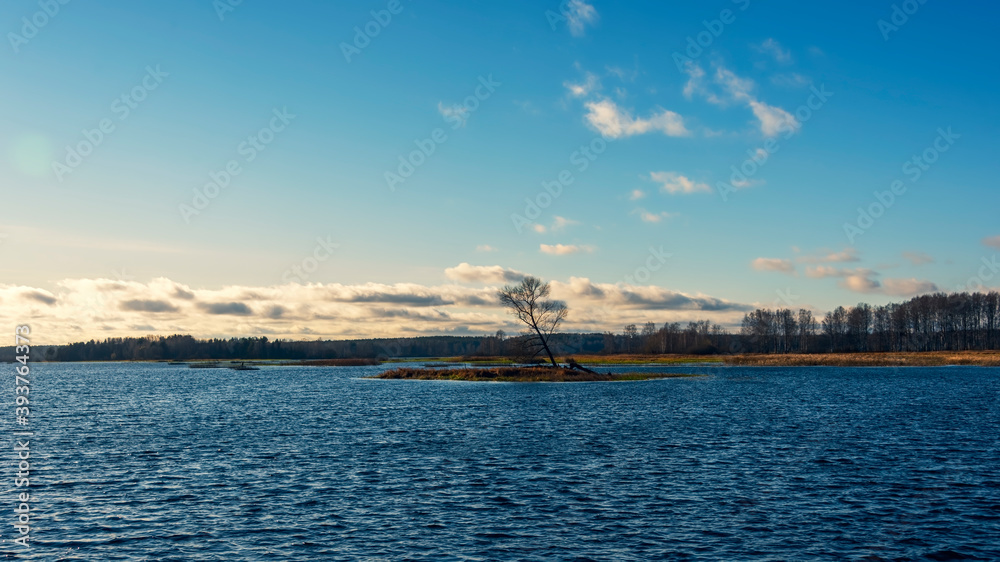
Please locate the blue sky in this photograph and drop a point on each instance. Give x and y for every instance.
(107, 247)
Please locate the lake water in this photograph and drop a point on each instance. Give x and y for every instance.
(158, 462)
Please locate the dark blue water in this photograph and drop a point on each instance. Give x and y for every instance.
(153, 462)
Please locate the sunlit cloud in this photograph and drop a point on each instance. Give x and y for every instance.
(674, 183)
(560, 223)
(907, 287)
(82, 309)
(773, 120)
(579, 15)
(590, 84)
(862, 280)
(844, 256)
(647, 216)
(614, 122)
(482, 274)
(731, 88)
(773, 264)
(564, 249)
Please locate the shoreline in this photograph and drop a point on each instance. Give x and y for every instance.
(886, 359)
(881, 359)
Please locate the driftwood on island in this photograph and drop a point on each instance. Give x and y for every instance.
(578, 367)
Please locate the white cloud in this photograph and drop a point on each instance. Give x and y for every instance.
(636, 195)
(845, 256)
(647, 216)
(82, 309)
(456, 111)
(622, 74)
(579, 14)
(908, 287)
(485, 248)
(560, 223)
(622, 296)
(696, 78)
(482, 274)
(773, 48)
(824, 271)
(773, 120)
(564, 249)
(774, 264)
(745, 183)
(864, 281)
(738, 88)
(848, 255)
(590, 84)
(613, 122)
(860, 283)
(673, 183)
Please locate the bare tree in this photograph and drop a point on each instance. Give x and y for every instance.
(528, 301)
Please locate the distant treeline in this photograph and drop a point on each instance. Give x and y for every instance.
(939, 322)
(186, 348)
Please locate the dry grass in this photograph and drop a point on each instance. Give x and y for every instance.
(584, 359)
(923, 359)
(517, 374)
(640, 359)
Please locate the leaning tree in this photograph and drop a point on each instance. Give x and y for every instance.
(528, 301)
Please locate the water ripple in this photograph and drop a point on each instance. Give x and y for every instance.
(153, 462)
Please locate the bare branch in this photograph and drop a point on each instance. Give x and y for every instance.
(527, 301)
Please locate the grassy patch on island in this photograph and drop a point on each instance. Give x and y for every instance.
(519, 374)
(583, 359)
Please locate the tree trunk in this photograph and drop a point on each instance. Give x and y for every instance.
(545, 344)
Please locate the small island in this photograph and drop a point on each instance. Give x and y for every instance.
(520, 374)
(528, 302)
